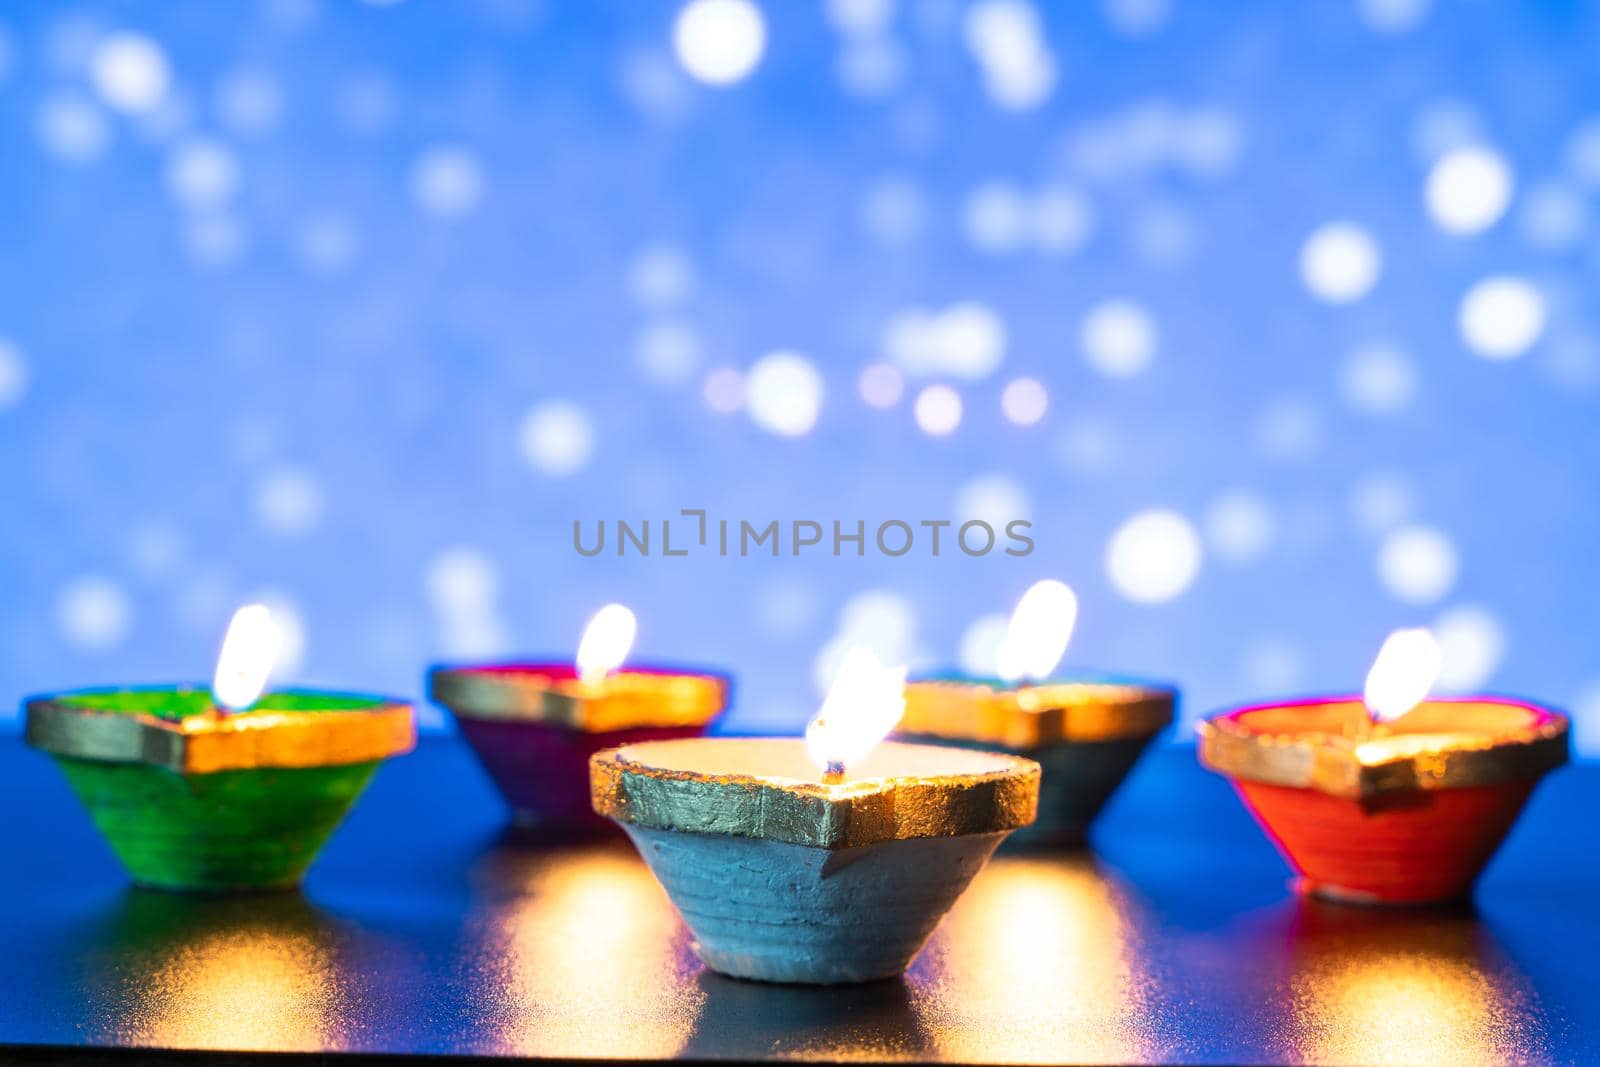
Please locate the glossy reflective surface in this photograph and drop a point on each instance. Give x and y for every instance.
(426, 928)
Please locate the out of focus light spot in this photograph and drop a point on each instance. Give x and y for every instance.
(880, 619)
(1153, 556)
(1393, 16)
(1239, 526)
(1417, 564)
(997, 218)
(72, 129)
(93, 613)
(1118, 338)
(1583, 152)
(249, 102)
(938, 410)
(1501, 317)
(859, 18)
(655, 84)
(893, 210)
(558, 438)
(461, 580)
(202, 174)
(966, 340)
(783, 392)
(1208, 142)
(719, 42)
(668, 352)
(1381, 502)
(881, 385)
(288, 501)
(1024, 401)
(1474, 643)
(1288, 430)
(1137, 18)
(871, 68)
(1006, 38)
(1468, 190)
(447, 182)
(723, 390)
(660, 276)
(1554, 217)
(1340, 263)
(130, 72)
(1062, 220)
(979, 654)
(993, 498)
(1378, 379)
(13, 374)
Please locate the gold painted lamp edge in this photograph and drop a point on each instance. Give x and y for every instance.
(848, 815)
(1037, 716)
(472, 693)
(244, 741)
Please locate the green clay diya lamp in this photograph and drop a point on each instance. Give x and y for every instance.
(194, 795)
(1085, 732)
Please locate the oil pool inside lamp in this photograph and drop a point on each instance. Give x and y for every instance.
(534, 726)
(1085, 732)
(1394, 798)
(824, 860)
(221, 789)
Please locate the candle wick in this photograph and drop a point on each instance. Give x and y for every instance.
(833, 772)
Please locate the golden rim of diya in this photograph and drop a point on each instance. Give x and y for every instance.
(848, 814)
(625, 700)
(1332, 746)
(236, 741)
(1034, 716)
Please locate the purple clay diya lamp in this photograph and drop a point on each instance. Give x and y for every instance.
(1392, 798)
(1086, 733)
(224, 789)
(534, 726)
(826, 860)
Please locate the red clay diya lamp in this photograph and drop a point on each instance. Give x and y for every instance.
(1085, 732)
(826, 860)
(1392, 798)
(534, 726)
(220, 789)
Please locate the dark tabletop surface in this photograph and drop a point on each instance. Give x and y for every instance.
(425, 929)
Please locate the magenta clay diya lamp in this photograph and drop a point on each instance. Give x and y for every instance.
(533, 726)
(220, 789)
(825, 860)
(1393, 797)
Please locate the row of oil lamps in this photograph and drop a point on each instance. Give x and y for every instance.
(824, 859)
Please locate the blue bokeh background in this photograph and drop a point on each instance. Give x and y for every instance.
(356, 307)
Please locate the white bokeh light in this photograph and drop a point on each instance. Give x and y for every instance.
(719, 42)
(1119, 338)
(938, 410)
(1393, 16)
(288, 501)
(992, 498)
(1340, 263)
(783, 393)
(1474, 645)
(202, 174)
(131, 73)
(1024, 401)
(882, 385)
(1062, 220)
(660, 277)
(723, 390)
(859, 18)
(668, 352)
(462, 580)
(878, 618)
(557, 438)
(1380, 502)
(1378, 379)
(966, 340)
(1468, 190)
(1239, 526)
(93, 613)
(1417, 564)
(249, 102)
(447, 182)
(72, 129)
(13, 374)
(1502, 317)
(1153, 556)
(1006, 38)
(871, 68)
(997, 218)
(979, 653)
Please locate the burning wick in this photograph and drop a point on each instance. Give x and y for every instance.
(1037, 636)
(1407, 666)
(248, 652)
(862, 706)
(606, 642)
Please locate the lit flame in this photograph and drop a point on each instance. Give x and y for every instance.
(862, 706)
(248, 653)
(1407, 666)
(606, 642)
(1037, 636)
